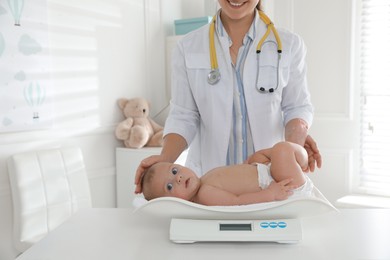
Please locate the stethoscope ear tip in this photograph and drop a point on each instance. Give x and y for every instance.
(271, 90)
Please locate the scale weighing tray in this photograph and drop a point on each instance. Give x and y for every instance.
(191, 231)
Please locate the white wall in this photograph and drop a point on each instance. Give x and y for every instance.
(102, 50)
(327, 29)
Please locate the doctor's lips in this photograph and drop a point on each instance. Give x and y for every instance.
(235, 4)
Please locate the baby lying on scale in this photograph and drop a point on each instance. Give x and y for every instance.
(273, 174)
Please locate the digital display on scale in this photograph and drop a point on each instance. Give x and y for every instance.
(235, 227)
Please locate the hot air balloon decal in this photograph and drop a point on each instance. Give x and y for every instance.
(16, 7)
(34, 95)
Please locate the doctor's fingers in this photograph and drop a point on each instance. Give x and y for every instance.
(318, 159)
(315, 160)
(314, 156)
(144, 164)
(310, 144)
(138, 189)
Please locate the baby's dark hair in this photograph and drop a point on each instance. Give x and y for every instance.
(146, 181)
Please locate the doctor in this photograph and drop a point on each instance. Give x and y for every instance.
(231, 97)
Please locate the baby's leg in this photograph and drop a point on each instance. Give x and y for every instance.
(287, 161)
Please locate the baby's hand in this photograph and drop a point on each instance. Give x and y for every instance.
(281, 190)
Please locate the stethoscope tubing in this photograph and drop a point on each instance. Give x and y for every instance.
(270, 90)
(214, 76)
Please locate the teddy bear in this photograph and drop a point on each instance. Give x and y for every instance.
(138, 130)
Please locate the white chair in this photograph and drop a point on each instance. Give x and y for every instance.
(47, 186)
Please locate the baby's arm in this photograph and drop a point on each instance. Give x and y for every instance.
(213, 196)
(261, 156)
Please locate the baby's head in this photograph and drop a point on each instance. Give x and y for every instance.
(147, 182)
(169, 180)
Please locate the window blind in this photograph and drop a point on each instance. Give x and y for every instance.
(374, 175)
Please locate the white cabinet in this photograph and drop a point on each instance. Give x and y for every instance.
(127, 161)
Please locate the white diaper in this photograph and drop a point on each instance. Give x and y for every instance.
(264, 175)
(265, 179)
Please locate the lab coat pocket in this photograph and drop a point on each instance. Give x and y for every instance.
(197, 61)
(269, 69)
(198, 67)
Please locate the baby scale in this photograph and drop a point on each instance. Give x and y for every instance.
(277, 221)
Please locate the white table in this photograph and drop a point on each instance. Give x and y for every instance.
(119, 234)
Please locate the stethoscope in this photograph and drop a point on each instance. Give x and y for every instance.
(214, 75)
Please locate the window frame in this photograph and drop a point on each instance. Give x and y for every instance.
(356, 88)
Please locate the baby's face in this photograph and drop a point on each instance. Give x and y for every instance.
(173, 180)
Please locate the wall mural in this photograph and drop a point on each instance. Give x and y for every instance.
(16, 7)
(24, 66)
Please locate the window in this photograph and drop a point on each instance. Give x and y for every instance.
(374, 73)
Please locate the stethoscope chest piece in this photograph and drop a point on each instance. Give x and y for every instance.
(213, 77)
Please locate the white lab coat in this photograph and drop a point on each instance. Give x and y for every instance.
(202, 113)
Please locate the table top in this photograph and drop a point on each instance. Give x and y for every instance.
(121, 234)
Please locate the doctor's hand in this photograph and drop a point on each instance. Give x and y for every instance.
(313, 152)
(145, 164)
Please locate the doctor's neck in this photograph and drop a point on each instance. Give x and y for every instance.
(234, 26)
